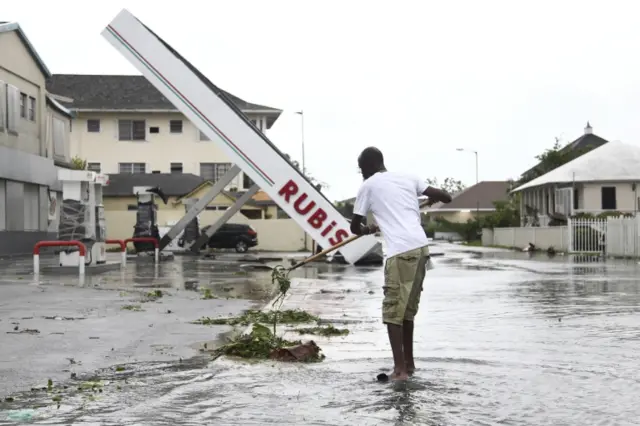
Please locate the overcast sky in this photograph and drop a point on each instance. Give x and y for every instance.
(417, 79)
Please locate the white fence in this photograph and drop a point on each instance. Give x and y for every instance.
(542, 237)
(613, 236)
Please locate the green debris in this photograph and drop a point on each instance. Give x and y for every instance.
(49, 384)
(207, 294)
(289, 316)
(134, 308)
(327, 331)
(156, 294)
(259, 344)
(120, 368)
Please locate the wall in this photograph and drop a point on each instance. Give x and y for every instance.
(542, 237)
(273, 235)
(26, 166)
(158, 151)
(625, 197)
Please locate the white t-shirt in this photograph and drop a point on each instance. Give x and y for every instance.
(393, 200)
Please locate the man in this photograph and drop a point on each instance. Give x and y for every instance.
(393, 200)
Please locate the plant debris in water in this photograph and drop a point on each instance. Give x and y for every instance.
(134, 308)
(261, 343)
(207, 294)
(327, 331)
(289, 316)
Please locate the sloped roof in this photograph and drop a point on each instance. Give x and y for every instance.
(612, 162)
(14, 26)
(128, 92)
(479, 196)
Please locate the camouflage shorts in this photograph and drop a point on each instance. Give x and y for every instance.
(403, 278)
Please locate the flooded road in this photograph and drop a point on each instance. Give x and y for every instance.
(501, 338)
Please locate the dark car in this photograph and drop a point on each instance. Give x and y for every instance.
(233, 235)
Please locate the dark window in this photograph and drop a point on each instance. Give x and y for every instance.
(132, 207)
(94, 167)
(175, 126)
(93, 126)
(214, 171)
(176, 167)
(23, 105)
(576, 199)
(131, 130)
(32, 108)
(154, 129)
(609, 198)
(132, 168)
(246, 181)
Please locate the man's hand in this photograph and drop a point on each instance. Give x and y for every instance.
(373, 228)
(430, 202)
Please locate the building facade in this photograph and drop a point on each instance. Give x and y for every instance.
(34, 143)
(123, 124)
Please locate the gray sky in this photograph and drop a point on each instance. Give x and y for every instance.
(415, 78)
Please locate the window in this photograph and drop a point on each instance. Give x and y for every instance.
(176, 167)
(204, 137)
(246, 181)
(93, 126)
(608, 198)
(23, 105)
(214, 171)
(132, 207)
(60, 137)
(132, 168)
(175, 126)
(31, 207)
(131, 130)
(13, 108)
(576, 199)
(93, 167)
(32, 108)
(154, 129)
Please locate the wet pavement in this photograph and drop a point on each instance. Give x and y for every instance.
(501, 338)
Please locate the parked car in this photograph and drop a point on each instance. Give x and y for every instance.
(237, 236)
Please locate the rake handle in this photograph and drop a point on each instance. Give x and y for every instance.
(325, 251)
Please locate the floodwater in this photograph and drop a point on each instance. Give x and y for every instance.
(501, 339)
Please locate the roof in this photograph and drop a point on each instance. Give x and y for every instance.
(128, 92)
(172, 184)
(14, 26)
(53, 103)
(587, 140)
(613, 162)
(479, 196)
(261, 198)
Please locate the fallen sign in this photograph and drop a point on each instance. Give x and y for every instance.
(209, 109)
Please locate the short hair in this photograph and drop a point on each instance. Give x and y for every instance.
(371, 156)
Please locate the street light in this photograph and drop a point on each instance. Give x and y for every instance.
(301, 113)
(476, 154)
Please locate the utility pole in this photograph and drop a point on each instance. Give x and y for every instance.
(477, 180)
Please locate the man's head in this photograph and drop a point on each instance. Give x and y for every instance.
(370, 162)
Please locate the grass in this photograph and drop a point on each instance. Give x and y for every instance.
(133, 308)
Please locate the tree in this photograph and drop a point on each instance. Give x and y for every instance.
(78, 163)
(551, 159)
(451, 185)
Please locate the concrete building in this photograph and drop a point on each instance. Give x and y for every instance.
(123, 124)
(34, 142)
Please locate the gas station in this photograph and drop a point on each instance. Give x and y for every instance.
(216, 116)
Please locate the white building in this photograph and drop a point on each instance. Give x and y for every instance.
(605, 179)
(123, 124)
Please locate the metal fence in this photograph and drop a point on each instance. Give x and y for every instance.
(613, 236)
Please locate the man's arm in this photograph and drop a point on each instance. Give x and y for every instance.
(359, 229)
(436, 195)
